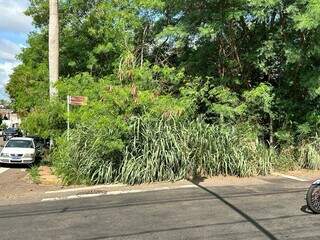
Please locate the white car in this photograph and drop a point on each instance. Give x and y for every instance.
(18, 150)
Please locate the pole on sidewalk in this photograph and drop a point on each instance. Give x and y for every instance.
(53, 51)
(53, 47)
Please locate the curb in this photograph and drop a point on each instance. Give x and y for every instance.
(116, 193)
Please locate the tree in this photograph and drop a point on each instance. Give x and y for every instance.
(240, 61)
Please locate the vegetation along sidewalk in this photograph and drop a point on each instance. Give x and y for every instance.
(173, 90)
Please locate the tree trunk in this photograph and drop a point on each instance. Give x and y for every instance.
(53, 46)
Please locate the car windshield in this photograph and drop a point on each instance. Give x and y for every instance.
(19, 144)
(10, 130)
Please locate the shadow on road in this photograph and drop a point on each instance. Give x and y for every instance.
(243, 214)
(15, 166)
(14, 212)
(67, 207)
(247, 219)
(305, 209)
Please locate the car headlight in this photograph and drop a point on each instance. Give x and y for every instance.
(28, 155)
(5, 155)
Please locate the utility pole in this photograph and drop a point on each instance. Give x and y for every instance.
(53, 47)
(53, 51)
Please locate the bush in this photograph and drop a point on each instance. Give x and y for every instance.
(171, 150)
(48, 121)
(135, 136)
(285, 159)
(153, 150)
(92, 155)
(99, 132)
(310, 154)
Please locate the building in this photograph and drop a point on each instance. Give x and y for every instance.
(10, 118)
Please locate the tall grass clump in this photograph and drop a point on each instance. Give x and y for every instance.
(285, 159)
(92, 155)
(310, 154)
(156, 153)
(168, 149)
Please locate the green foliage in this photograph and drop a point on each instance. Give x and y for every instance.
(29, 83)
(310, 18)
(247, 63)
(226, 104)
(28, 87)
(165, 150)
(46, 121)
(92, 155)
(99, 131)
(259, 103)
(34, 174)
(172, 150)
(169, 150)
(243, 48)
(310, 154)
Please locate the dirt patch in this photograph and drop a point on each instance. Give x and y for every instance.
(305, 174)
(16, 187)
(47, 178)
(231, 180)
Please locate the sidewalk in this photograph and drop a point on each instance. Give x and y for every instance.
(17, 188)
(76, 192)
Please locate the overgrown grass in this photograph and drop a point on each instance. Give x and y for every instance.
(34, 174)
(170, 150)
(91, 156)
(158, 150)
(309, 154)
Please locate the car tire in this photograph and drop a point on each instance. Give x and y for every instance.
(313, 204)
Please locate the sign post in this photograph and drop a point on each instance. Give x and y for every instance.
(75, 101)
(68, 117)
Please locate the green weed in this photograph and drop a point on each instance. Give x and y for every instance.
(34, 174)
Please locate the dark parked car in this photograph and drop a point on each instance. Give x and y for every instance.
(42, 145)
(39, 141)
(10, 133)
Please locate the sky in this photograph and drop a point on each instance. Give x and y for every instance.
(14, 29)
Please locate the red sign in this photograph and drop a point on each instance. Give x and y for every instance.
(77, 100)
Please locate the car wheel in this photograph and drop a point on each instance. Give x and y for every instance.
(313, 198)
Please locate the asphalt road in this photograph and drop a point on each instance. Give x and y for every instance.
(274, 210)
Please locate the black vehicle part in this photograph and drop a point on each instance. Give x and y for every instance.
(313, 197)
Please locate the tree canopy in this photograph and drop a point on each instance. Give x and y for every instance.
(238, 61)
